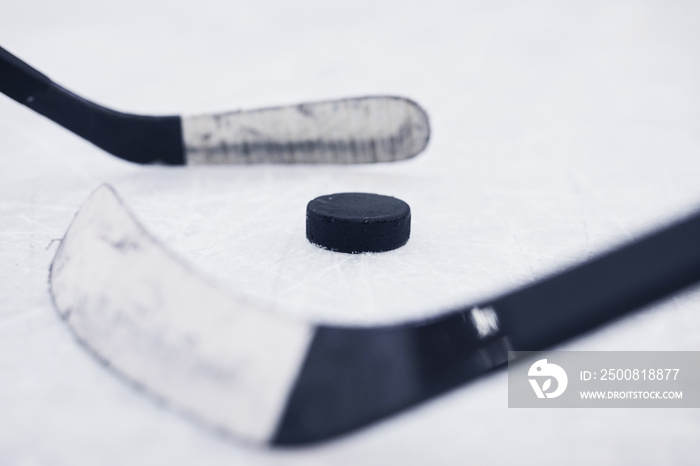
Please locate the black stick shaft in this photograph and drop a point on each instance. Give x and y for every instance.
(136, 138)
(604, 288)
(19, 80)
(353, 376)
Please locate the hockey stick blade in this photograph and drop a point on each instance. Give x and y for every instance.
(258, 375)
(353, 130)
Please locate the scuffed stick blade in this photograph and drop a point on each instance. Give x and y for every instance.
(236, 366)
(148, 317)
(356, 130)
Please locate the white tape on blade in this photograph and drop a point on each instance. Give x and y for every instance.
(361, 130)
(155, 321)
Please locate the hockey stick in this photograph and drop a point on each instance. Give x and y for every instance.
(355, 130)
(257, 375)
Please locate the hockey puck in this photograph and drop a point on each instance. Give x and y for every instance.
(358, 222)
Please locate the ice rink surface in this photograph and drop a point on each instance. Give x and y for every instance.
(560, 129)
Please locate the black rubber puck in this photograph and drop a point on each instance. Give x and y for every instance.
(358, 222)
